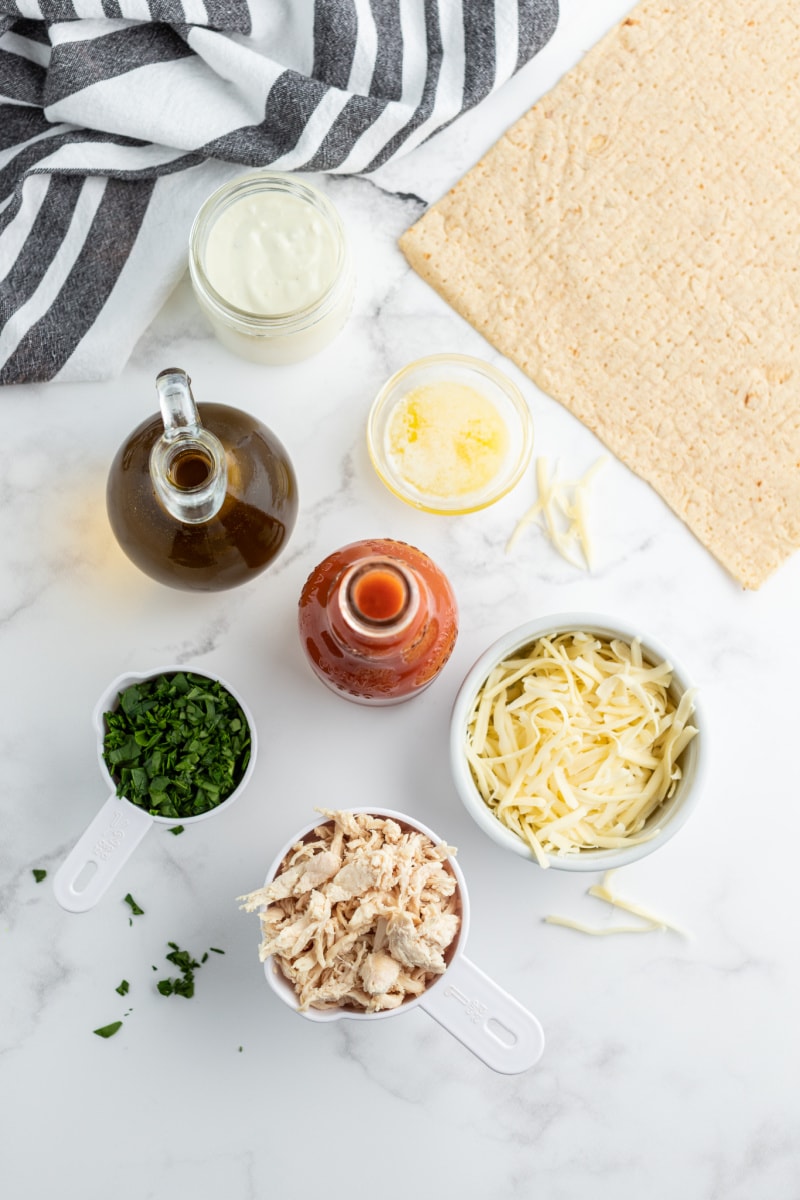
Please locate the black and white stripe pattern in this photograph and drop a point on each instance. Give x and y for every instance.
(118, 117)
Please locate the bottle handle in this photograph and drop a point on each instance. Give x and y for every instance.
(178, 409)
(103, 849)
(485, 1018)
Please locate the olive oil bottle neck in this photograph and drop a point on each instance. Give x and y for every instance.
(188, 468)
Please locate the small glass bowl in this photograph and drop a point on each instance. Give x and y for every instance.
(483, 378)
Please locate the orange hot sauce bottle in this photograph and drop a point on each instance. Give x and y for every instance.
(378, 620)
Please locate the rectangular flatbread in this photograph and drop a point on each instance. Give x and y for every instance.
(633, 244)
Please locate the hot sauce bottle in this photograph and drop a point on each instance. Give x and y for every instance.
(378, 620)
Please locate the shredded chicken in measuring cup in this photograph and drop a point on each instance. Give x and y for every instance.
(360, 913)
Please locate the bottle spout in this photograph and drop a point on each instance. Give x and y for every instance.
(188, 466)
(379, 598)
(178, 409)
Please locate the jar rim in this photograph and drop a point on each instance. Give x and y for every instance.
(254, 183)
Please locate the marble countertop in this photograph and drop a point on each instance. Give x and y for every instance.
(671, 1061)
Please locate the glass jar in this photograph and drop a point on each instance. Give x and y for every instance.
(378, 621)
(271, 267)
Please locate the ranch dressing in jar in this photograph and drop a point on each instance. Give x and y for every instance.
(271, 268)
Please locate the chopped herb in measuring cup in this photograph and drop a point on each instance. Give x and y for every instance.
(176, 745)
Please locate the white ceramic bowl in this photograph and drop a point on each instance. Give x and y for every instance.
(668, 818)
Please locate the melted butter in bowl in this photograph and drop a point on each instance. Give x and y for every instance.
(447, 439)
(449, 434)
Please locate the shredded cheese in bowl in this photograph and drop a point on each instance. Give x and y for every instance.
(574, 743)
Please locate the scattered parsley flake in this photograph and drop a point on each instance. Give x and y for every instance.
(123, 988)
(176, 829)
(39, 874)
(183, 985)
(137, 912)
(107, 1031)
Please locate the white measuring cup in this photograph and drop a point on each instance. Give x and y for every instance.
(112, 836)
(499, 1030)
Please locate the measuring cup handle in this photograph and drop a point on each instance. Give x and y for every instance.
(489, 1022)
(106, 845)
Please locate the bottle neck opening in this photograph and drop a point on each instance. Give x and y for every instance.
(379, 598)
(191, 468)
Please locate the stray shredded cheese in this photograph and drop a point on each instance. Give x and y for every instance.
(568, 923)
(574, 742)
(561, 507)
(603, 892)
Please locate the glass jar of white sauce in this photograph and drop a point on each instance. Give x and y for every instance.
(271, 267)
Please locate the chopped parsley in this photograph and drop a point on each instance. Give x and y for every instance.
(183, 984)
(176, 829)
(39, 874)
(123, 988)
(107, 1031)
(176, 745)
(137, 912)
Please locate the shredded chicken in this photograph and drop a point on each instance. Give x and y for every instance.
(379, 973)
(360, 914)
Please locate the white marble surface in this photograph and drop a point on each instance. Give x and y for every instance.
(671, 1062)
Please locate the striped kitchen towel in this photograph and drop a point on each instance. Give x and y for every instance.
(118, 118)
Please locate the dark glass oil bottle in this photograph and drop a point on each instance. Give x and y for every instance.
(201, 497)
